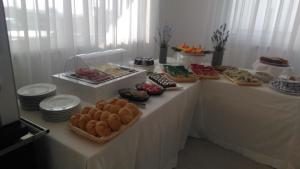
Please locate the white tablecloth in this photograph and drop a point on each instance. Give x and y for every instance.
(153, 142)
(254, 121)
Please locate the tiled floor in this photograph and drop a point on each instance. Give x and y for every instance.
(201, 154)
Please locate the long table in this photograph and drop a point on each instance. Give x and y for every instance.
(254, 121)
(257, 122)
(152, 142)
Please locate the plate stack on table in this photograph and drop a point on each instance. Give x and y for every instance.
(59, 108)
(286, 86)
(30, 96)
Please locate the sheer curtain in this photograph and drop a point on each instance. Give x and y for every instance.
(44, 33)
(260, 27)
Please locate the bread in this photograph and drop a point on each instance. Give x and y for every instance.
(75, 119)
(102, 129)
(91, 127)
(126, 115)
(97, 115)
(100, 104)
(114, 122)
(104, 116)
(83, 120)
(112, 108)
(113, 101)
(85, 110)
(121, 102)
(133, 108)
(92, 111)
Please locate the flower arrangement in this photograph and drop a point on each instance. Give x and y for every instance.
(220, 37)
(164, 35)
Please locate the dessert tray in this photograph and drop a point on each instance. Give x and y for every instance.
(179, 73)
(162, 80)
(274, 61)
(105, 121)
(242, 78)
(264, 77)
(194, 51)
(205, 72)
(30, 96)
(151, 88)
(286, 86)
(134, 95)
(100, 74)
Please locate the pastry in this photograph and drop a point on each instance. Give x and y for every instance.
(112, 108)
(197, 51)
(85, 110)
(275, 61)
(75, 119)
(179, 73)
(242, 77)
(162, 80)
(121, 102)
(134, 95)
(113, 101)
(102, 129)
(83, 120)
(150, 88)
(90, 127)
(104, 116)
(205, 72)
(92, 111)
(100, 104)
(97, 115)
(114, 122)
(126, 115)
(133, 108)
(144, 61)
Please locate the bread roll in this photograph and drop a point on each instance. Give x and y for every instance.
(102, 129)
(75, 119)
(126, 115)
(97, 115)
(114, 122)
(91, 127)
(135, 110)
(85, 110)
(113, 101)
(100, 104)
(83, 120)
(92, 111)
(121, 102)
(104, 116)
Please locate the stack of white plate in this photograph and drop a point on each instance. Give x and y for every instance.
(30, 96)
(59, 108)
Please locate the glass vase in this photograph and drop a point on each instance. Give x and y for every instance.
(163, 55)
(217, 58)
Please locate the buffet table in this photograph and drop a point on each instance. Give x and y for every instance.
(254, 121)
(152, 142)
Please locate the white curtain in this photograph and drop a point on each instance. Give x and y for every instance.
(44, 33)
(258, 27)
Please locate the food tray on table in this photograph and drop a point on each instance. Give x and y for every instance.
(205, 72)
(286, 86)
(242, 78)
(162, 80)
(179, 73)
(114, 133)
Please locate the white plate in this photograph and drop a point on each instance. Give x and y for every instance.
(36, 89)
(60, 103)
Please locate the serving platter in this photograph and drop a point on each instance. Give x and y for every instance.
(103, 140)
(242, 83)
